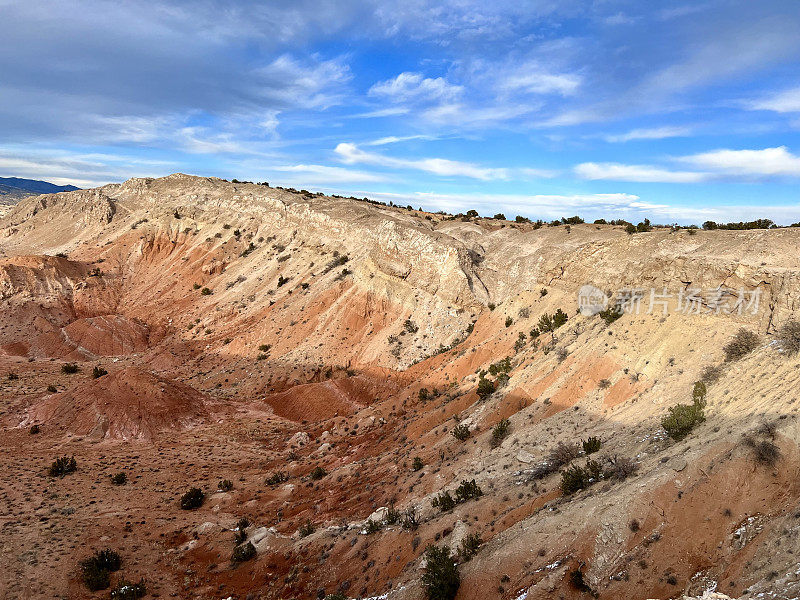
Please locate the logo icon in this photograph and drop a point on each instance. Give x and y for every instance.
(591, 300)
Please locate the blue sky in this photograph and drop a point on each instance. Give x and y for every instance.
(678, 111)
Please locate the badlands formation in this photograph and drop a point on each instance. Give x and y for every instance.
(313, 364)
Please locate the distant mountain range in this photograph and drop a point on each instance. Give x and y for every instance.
(16, 186)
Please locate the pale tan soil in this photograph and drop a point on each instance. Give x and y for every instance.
(191, 399)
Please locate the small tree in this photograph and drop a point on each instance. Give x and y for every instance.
(469, 546)
(440, 579)
(467, 490)
(461, 432)
(417, 464)
(485, 388)
(500, 432)
(682, 419)
(119, 478)
(444, 502)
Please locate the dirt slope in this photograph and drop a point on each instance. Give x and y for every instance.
(251, 331)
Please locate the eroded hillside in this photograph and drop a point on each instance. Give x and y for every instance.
(342, 364)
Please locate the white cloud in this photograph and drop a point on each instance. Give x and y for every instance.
(352, 154)
(537, 82)
(322, 174)
(392, 111)
(786, 101)
(654, 133)
(748, 163)
(638, 173)
(393, 139)
(413, 87)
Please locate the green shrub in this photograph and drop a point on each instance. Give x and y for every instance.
(501, 366)
(789, 337)
(95, 570)
(467, 490)
(306, 529)
(205, 292)
(417, 464)
(461, 432)
(95, 578)
(440, 579)
(196, 286)
(499, 432)
(264, 348)
(423, 394)
(682, 418)
(410, 326)
(192, 499)
(69, 368)
(611, 314)
(243, 552)
(119, 478)
(444, 502)
(699, 393)
(12, 376)
(392, 515)
(577, 478)
(559, 318)
(591, 445)
(62, 466)
(52, 389)
(469, 546)
(509, 321)
(573, 479)
(126, 590)
(410, 519)
(98, 372)
(743, 343)
(277, 478)
(34, 429)
(372, 526)
(226, 485)
(485, 388)
(317, 473)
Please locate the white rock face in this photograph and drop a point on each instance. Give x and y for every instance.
(526, 457)
(299, 439)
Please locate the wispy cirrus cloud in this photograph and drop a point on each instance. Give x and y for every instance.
(637, 173)
(786, 101)
(650, 133)
(352, 154)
